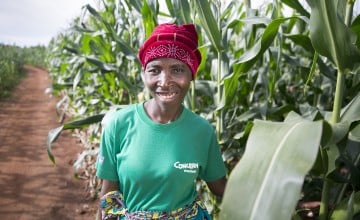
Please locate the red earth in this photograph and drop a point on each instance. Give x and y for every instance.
(31, 187)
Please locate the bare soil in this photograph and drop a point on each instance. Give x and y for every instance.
(31, 187)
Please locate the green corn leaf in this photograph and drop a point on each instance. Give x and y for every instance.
(351, 112)
(83, 122)
(272, 170)
(125, 48)
(94, 12)
(137, 4)
(52, 136)
(72, 50)
(295, 4)
(354, 134)
(301, 40)
(208, 23)
(331, 37)
(180, 10)
(170, 8)
(205, 87)
(355, 27)
(106, 67)
(249, 58)
(54, 133)
(78, 78)
(149, 20)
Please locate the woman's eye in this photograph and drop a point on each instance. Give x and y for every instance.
(178, 70)
(153, 71)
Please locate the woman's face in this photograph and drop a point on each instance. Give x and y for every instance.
(167, 79)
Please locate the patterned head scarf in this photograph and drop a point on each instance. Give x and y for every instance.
(172, 41)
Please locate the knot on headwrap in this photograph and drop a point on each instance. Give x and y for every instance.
(172, 41)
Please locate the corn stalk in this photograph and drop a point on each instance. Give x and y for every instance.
(342, 51)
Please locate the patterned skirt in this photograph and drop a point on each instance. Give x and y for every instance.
(113, 207)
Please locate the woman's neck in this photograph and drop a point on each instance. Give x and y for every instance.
(162, 114)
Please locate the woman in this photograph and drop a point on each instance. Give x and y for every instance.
(152, 153)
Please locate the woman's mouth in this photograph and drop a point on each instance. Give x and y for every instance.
(166, 95)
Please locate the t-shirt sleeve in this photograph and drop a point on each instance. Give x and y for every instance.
(215, 167)
(106, 161)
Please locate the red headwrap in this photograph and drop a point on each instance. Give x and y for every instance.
(172, 41)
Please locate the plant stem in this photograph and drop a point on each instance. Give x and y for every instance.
(335, 119)
(324, 199)
(340, 83)
(218, 113)
(219, 122)
(348, 17)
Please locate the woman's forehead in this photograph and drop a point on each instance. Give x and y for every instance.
(166, 61)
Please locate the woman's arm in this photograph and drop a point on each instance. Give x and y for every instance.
(217, 187)
(107, 186)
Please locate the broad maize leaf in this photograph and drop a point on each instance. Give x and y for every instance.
(266, 183)
(54, 133)
(331, 37)
(209, 24)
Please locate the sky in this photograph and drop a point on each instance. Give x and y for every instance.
(35, 22)
(28, 23)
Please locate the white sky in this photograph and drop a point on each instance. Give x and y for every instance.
(34, 22)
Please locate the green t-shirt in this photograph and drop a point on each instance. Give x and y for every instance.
(157, 165)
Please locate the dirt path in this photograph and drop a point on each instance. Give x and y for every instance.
(30, 186)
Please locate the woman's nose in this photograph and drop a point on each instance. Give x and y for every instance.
(164, 78)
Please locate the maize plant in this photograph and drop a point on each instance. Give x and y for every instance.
(282, 91)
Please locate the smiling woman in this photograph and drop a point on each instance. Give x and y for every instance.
(172, 142)
(34, 22)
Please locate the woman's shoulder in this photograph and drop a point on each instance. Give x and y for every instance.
(118, 113)
(197, 119)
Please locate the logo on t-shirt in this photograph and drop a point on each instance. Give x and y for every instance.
(187, 167)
